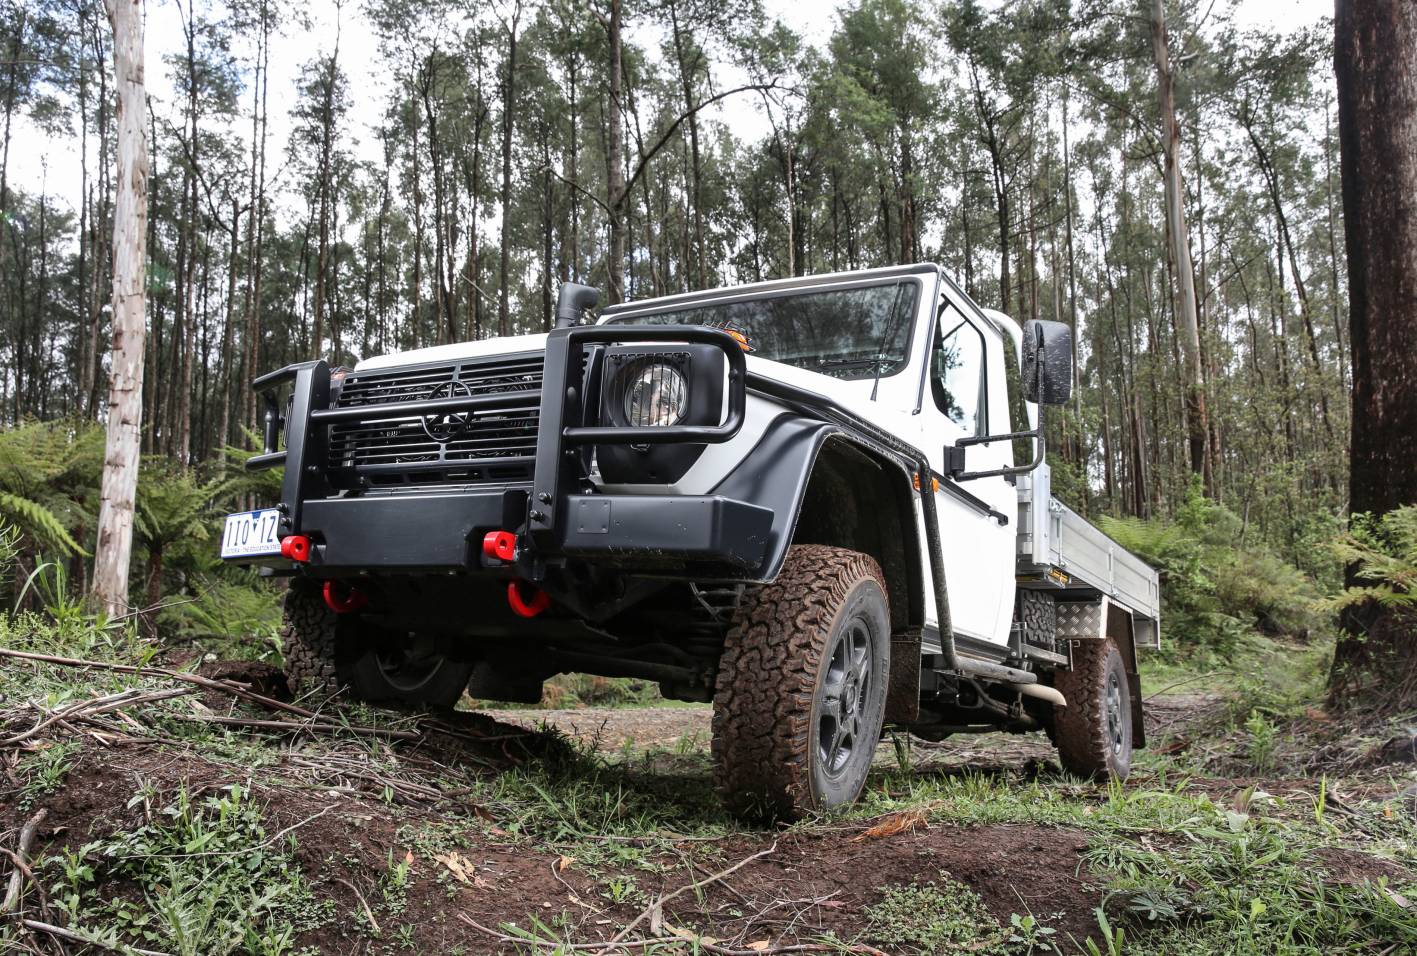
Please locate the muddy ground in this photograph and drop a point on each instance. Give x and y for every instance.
(461, 833)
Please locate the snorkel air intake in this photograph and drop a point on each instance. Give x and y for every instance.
(572, 302)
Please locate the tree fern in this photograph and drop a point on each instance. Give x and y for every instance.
(1385, 552)
(9, 554)
(38, 523)
(49, 473)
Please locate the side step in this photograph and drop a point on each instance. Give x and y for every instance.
(1040, 654)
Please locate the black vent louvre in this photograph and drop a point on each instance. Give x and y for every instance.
(491, 445)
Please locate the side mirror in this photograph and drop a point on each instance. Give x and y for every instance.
(1047, 369)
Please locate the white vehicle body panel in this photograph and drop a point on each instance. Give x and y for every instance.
(981, 552)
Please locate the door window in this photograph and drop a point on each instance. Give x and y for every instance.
(957, 372)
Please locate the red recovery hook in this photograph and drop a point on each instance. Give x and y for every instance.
(501, 545)
(523, 607)
(343, 600)
(296, 547)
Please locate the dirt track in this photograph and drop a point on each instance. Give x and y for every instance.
(497, 824)
(687, 729)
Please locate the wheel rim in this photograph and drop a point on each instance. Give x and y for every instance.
(408, 670)
(1115, 714)
(843, 698)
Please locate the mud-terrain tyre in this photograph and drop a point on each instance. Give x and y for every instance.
(1094, 731)
(801, 689)
(327, 652)
(308, 638)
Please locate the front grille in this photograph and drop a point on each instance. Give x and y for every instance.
(493, 445)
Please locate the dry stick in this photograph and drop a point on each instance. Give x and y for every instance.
(703, 945)
(1182, 683)
(296, 726)
(368, 913)
(17, 878)
(63, 933)
(268, 841)
(855, 948)
(101, 705)
(225, 687)
(659, 903)
(558, 947)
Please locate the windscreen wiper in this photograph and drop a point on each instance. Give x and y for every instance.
(849, 363)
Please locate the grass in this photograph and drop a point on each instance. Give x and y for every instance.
(198, 878)
(941, 915)
(1190, 856)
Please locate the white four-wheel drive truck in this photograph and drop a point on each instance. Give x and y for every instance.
(820, 503)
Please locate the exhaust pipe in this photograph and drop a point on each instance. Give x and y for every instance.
(1043, 692)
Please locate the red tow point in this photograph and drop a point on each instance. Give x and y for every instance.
(296, 547)
(343, 600)
(524, 607)
(501, 545)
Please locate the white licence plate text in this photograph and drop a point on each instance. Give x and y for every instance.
(251, 534)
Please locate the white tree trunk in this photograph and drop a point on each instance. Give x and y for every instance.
(130, 230)
(1187, 319)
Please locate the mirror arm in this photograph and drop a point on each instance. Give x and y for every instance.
(955, 454)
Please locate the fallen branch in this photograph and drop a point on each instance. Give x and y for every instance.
(703, 945)
(268, 841)
(17, 878)
(88, 708)
(295, 726)
(74, 937)
(221, 686)
(558, 947)
(1181, 683)
(658, 905)
(368, 913)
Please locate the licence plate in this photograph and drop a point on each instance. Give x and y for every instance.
(251, 534)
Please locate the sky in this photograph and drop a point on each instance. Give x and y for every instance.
(38, 162)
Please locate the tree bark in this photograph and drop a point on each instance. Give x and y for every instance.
(509, 99)
(130, 220)
(615, 159)
(1187, 323)
(326, 187)
(1375, 60)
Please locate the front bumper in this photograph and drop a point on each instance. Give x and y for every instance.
(433, 532)
(558, 517)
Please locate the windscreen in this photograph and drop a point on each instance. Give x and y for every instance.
(851, 333)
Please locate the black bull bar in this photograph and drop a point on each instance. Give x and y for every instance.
(556, 516)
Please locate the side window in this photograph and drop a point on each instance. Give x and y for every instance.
(957, 373)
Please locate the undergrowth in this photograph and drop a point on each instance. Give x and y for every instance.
(201, 877)
(938, 916)
(1216, 591)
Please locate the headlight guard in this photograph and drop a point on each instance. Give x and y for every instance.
(657, 386)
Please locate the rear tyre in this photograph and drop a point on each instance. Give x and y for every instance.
(801, 690)
(1094, 731)
(401, 668)
(326, 652)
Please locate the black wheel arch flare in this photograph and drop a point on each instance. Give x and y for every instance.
(817, 478)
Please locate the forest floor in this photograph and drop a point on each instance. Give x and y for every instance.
(143, 812)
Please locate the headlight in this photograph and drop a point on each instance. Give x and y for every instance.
(656, 395)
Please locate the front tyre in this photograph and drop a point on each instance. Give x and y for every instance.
(1094, 731)
(801, 690)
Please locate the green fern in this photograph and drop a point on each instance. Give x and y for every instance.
(1385, 552)
(38, 523)
(9, 555)
(49, 478)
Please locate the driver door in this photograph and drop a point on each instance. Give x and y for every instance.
(967, 398)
